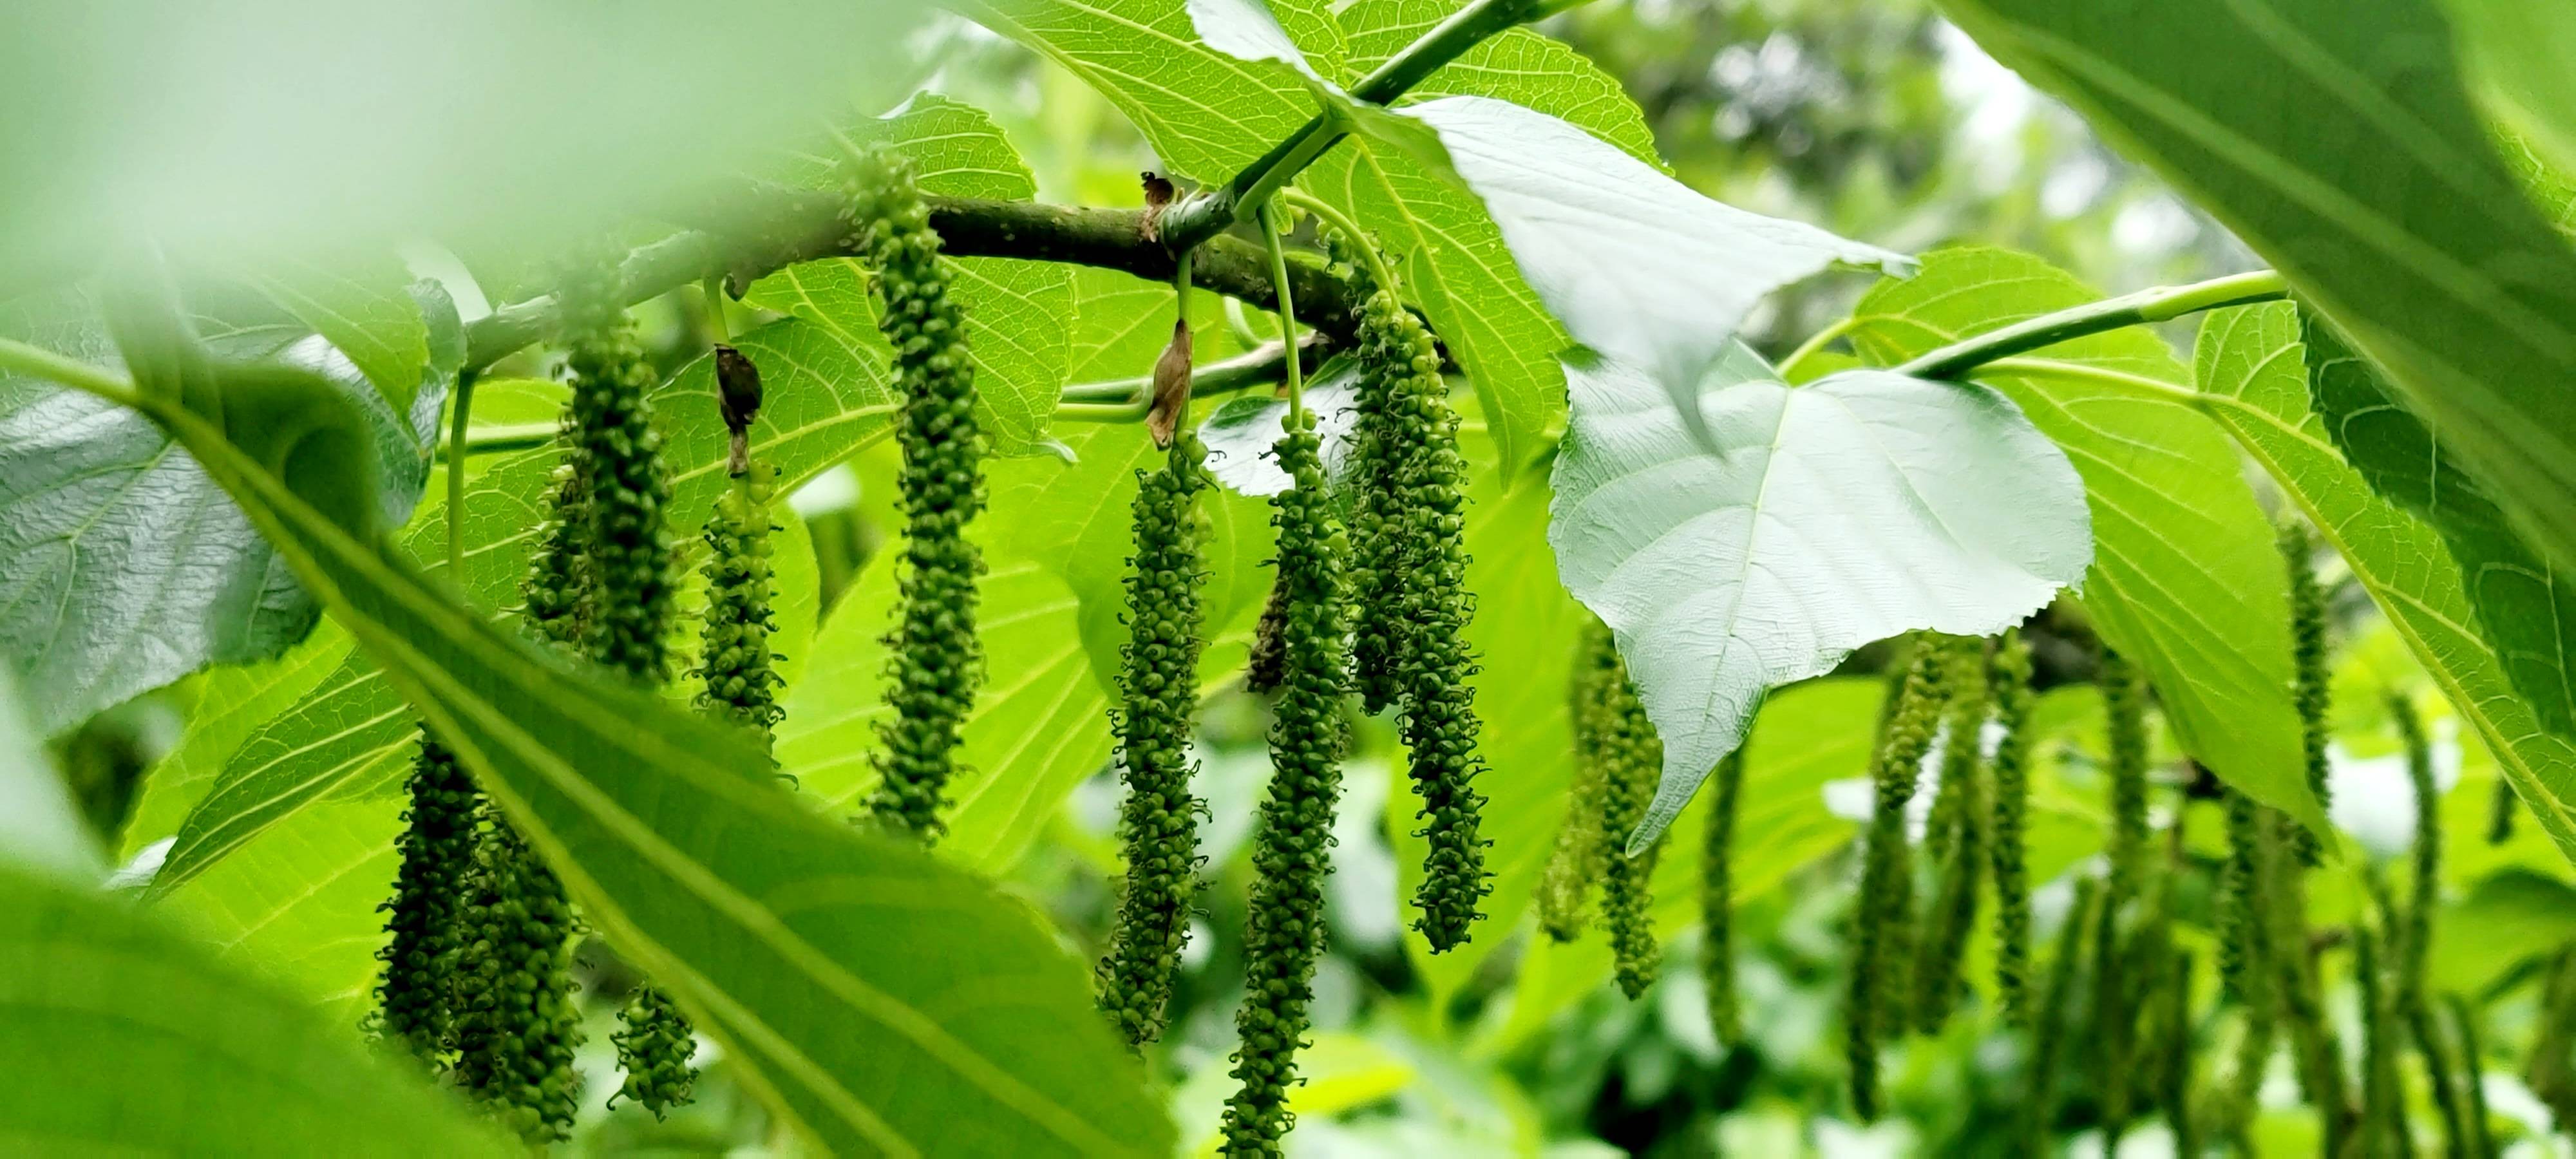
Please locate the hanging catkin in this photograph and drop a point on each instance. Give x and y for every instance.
(1635, 756)
(1886, 885)
(1580, 855)
(934, 661)
(437, 847)
(1717, 897)
(2413, 937)
(1292, 847)
(737, 673)
(2009, 676)
(1954, 841)
(2313, 690)
(1158, 682)
(2048, 1021)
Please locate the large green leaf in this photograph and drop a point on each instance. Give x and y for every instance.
(122, 568)
(232, 703)
(1017, 312)
(876, 999)
(2186, 579)
(2334, 137)
(1205, 112)
(2521, 606)
(1849, 510)
(2250, 366)
(1449, 252)
(123, 1039)
(827, 396)
(1639, 267)
(2515, 54)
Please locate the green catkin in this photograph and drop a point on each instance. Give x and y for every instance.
(1158, 680)
(2239, 908)
(516, 1024)
(2464, 1021)
(633, 594)
(2313, 691)
(1268, 663)
(514, 1021)
(934, 662)
(2414, 939)
(2048, 1023)
(1580, 856)
(1292, 850)
(737, 673)
(437, 847)
(2298, 988)
(2548, 1071)
(1635, 757)
(2124, 709)
(2009, 794)
(2500, 812)
(1955, 842)
(2383, 1123)
(1380, 635)
(1717, 899)
(1422, 538)
(2174, 1050)
(1886, 885)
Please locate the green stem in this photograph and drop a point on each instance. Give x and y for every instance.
(457, 448)
(38, 362)
(1341, 223)
(2102, 375)
(1269, 212)
(500, 437)
(1814, 344)
(1262, 367)
(2162, 304)
(1208, 214)
(713, 289)
(1104, 412)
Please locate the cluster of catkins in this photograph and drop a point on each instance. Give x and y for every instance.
(478, 972)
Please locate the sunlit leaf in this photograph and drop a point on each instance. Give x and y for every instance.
(1863, 505)
(2250, 365)
(2186, 578)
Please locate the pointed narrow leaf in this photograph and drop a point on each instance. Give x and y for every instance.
(1832, 515)
(878, 1000)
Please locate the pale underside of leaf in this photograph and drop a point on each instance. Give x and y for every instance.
(1859, 507)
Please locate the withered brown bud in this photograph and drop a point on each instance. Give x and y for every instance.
(738, 392)
(1171, 386)
(1159, 193)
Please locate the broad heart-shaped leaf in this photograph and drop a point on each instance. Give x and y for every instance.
(2334, 138)
(1205, 112)
(826, 397)
(2250, 366)
(122, 567)
(1863, 505)
(125, 1039)
(877, 1000)
(1639, 267)
(1016, 312)
(1447, 251)
(1246, 31)
(2186, 578)
(2523, 607)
